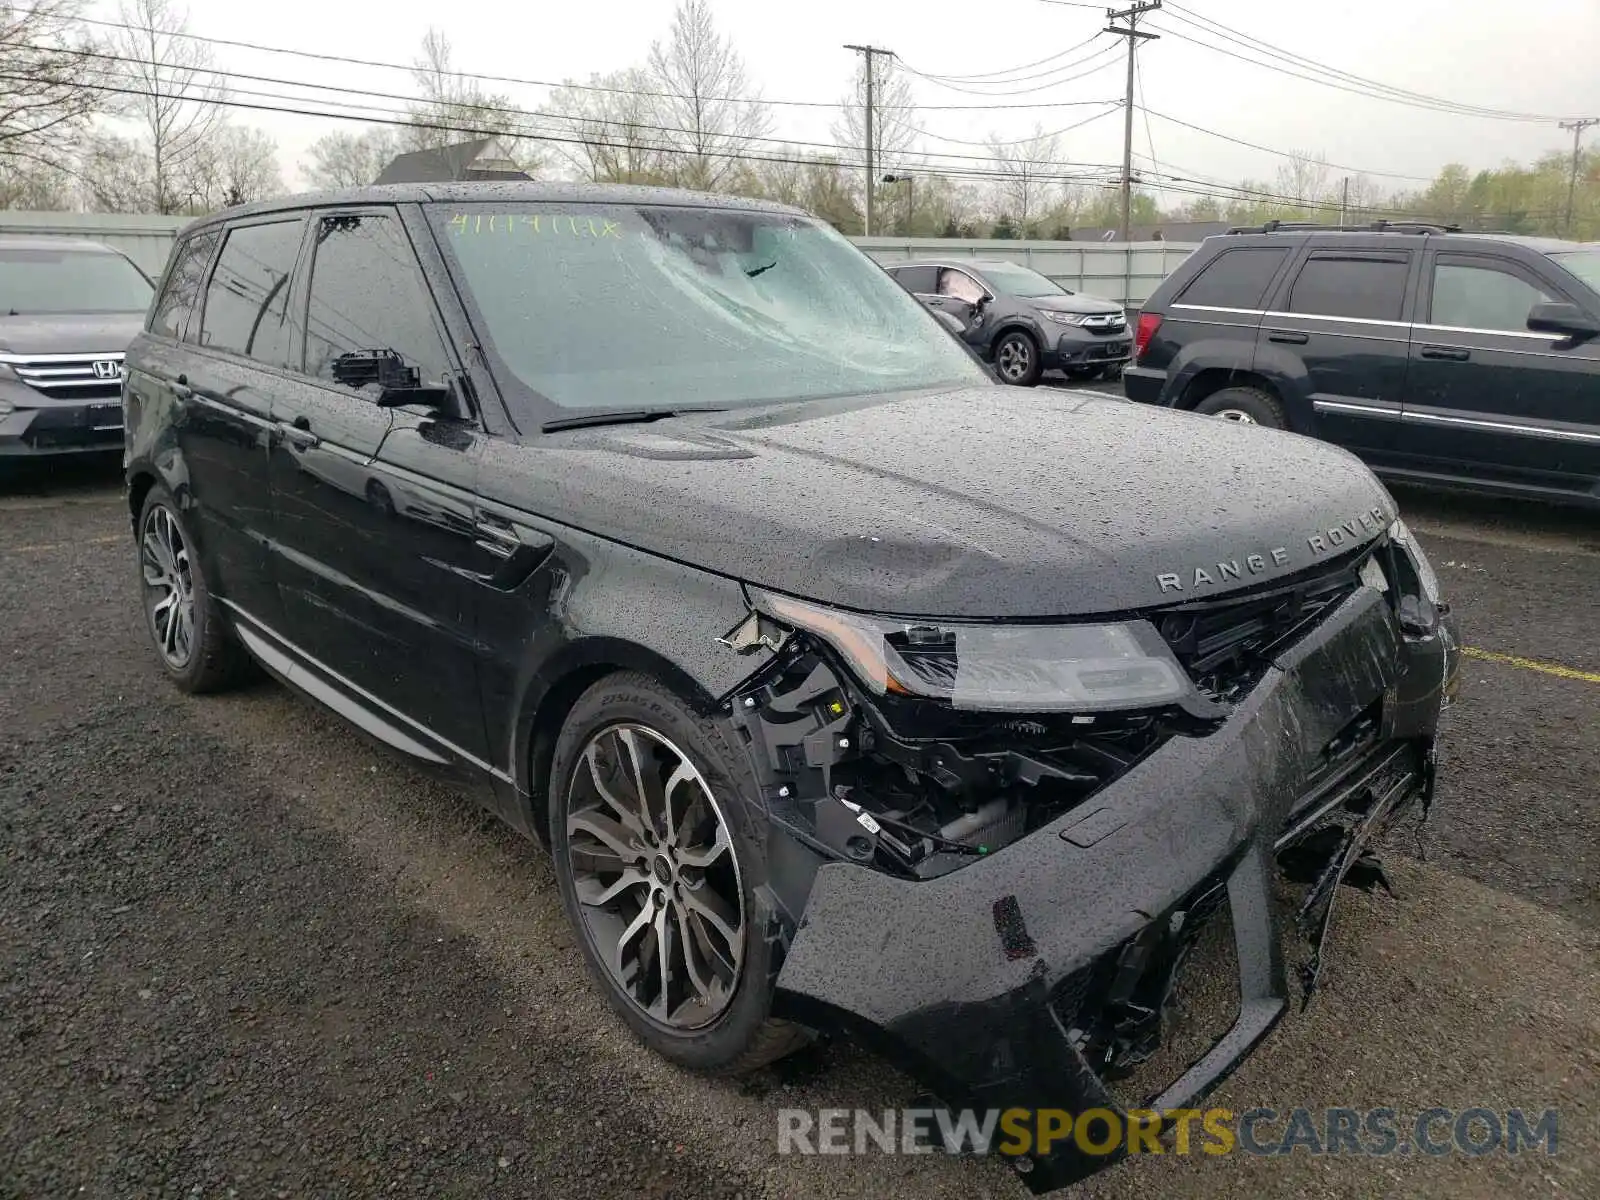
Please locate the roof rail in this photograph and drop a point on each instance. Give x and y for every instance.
(1369, 227)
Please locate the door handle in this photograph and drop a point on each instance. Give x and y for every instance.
(298, 433)
(1288, 336)
(1452, 353)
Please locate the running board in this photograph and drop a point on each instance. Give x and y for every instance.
(308, 681)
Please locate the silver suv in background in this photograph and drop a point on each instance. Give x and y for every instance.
(68, 310)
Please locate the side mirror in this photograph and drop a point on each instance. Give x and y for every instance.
(398, 384)
(1566, 319)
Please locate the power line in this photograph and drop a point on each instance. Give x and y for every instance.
(226, 78)
(1217, 28)
(1425, 103)
(1106, 53)
(989, 75)
(349, 61)
(1113, 106)
(1281, 153)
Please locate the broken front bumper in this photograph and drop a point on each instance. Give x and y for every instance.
(1015, 980)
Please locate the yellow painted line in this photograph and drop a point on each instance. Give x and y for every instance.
(1532, 664)
(39, 547)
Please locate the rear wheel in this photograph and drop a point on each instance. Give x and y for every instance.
(1016, 358)
(195, 646)
(659, 861)
(1248, 406)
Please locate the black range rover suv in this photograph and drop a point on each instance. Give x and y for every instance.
(1438, 356)
(844, 698)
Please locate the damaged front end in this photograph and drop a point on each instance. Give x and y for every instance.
(1053, 866)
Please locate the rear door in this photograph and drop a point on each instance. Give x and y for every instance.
(1339, 331)
(1487, 397)
(241, 347)
(377, 554)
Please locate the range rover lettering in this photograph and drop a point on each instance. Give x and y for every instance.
(850, 690)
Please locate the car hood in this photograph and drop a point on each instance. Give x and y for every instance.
(69, 333)
(978, 502)
(1075, 304)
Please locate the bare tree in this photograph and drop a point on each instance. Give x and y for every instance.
(455, 108)
(38, 186)
(894, 112)
(343, 159)
(175, 94)
(115, 174)
(1023, 187)
(616, 127)
(234, 166)
(44, 106)
(1305, 178)
(710, 106)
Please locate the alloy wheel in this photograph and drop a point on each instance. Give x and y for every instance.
(656, 876)
(168, 586)
(1235, 414)
(1015, 359)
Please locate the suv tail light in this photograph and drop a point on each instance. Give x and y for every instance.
(1148, 324)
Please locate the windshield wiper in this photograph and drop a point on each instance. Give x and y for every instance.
(754, 271)
(624, 416)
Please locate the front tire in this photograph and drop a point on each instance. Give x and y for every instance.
(1016, 359)
(659, 859)
(192, 640)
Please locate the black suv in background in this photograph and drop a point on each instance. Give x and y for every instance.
(68, 310)
(842, 699)
(1023, 322)
(1439, 356)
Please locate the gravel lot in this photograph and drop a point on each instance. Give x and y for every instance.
(244, 953)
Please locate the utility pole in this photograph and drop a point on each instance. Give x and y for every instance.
(868, 52)
(911, 202)
(1134, 35)
(1577, 128)
(1344, 202)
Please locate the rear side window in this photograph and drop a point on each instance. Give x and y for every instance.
(180, 297)
(1236, 278)
(1369, 287)
(367, 293)
(247, 302)
(921, 281)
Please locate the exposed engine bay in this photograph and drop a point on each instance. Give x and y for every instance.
(915, 788)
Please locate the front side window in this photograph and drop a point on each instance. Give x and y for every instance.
(620, 306)
(1366, 287)
(1479, 295)
(247, 302)
(1585, 264)
(367, 294)
(960, 285)
(1021, 281)
(42, 281)
(180, 298)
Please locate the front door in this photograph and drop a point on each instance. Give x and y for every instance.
(1489, 398)
(376, 547)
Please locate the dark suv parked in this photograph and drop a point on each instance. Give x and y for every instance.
(1436, 355)
(1020, 320)
(843, 699)
(68, 310)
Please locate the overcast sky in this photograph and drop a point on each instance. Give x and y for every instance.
(1534, 58)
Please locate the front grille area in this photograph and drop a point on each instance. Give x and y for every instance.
(83, 377)
(1226, 645)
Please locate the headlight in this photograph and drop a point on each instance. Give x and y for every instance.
(992, 667)
(1063, 318)
(1401, 536)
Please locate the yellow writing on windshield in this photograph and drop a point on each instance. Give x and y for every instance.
(534, 224)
